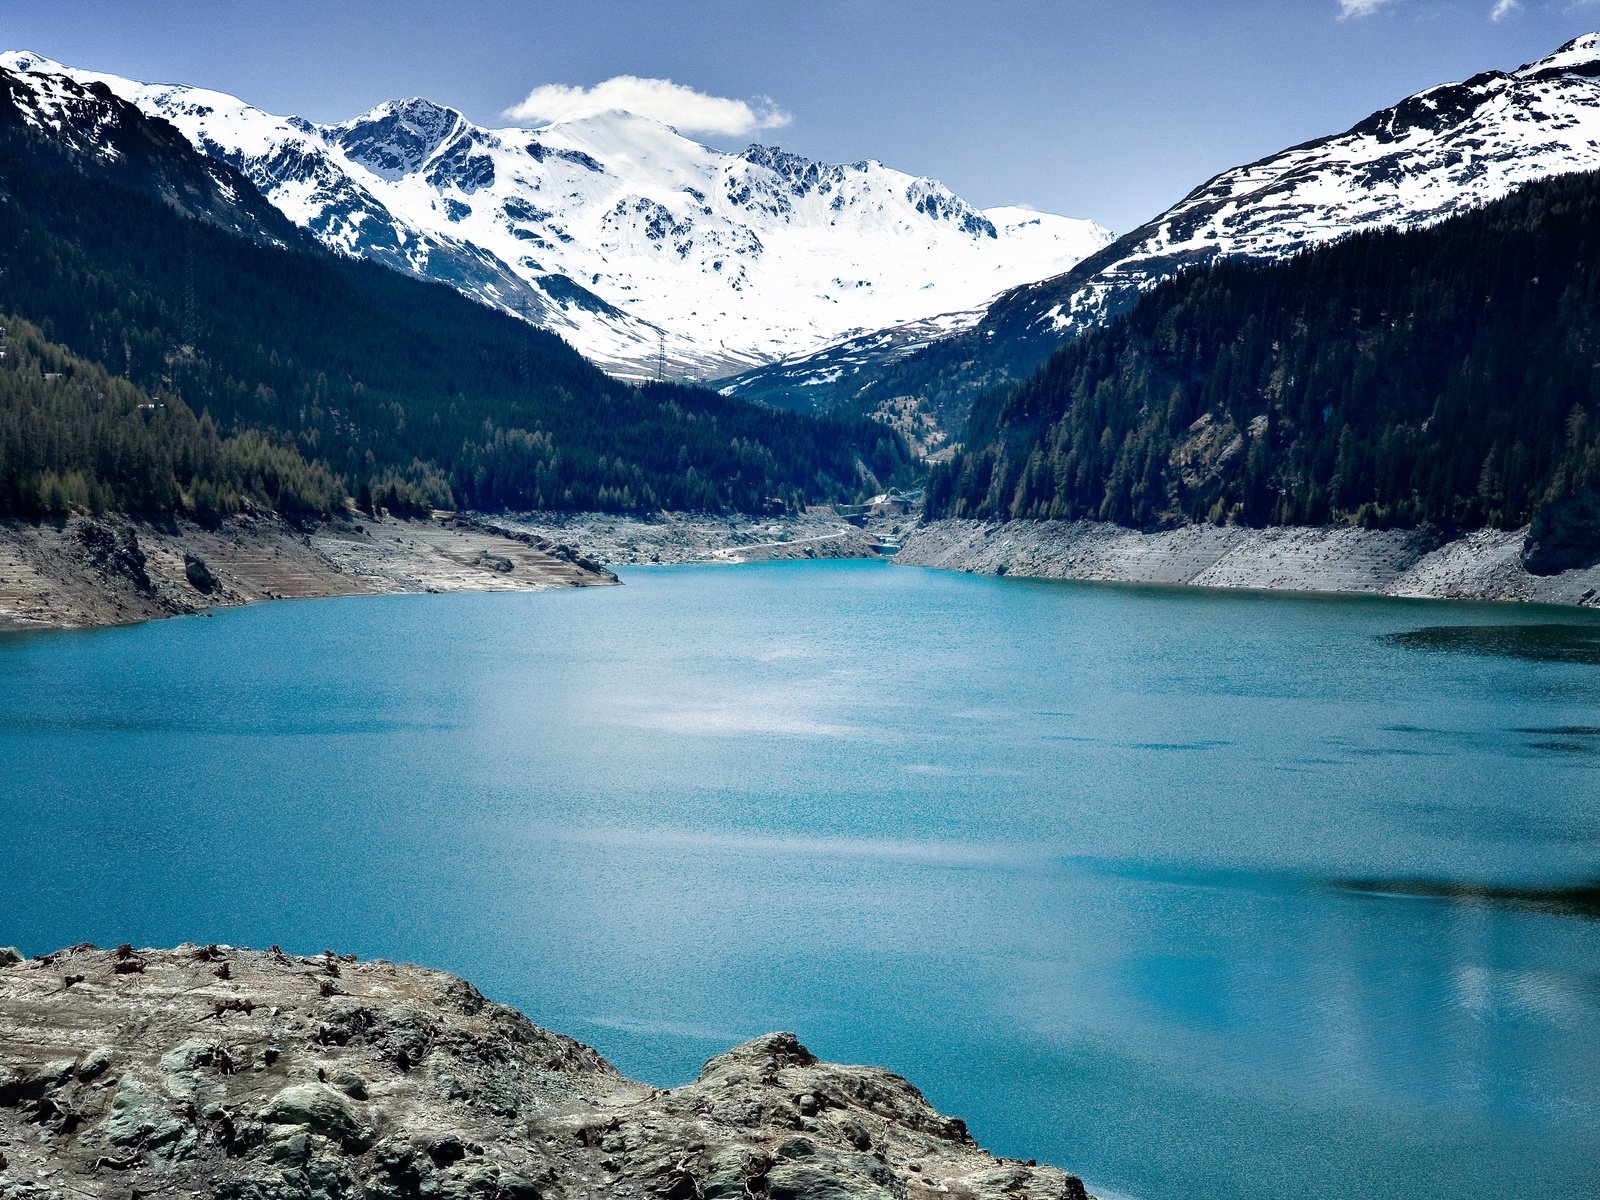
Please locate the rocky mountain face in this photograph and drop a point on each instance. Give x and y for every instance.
(1441, 152)
(642, 248)
(244, 1075)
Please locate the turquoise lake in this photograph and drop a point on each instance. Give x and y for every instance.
(1196, 894)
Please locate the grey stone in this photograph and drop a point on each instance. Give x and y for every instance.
(199, 574)
(819, 1181)
(137, 1118)
(350, 1084)
(320, 1110)
(95, 1064)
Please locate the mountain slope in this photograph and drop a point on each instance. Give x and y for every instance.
(388, 382)
(1443, 151)
(630, 241)
(1448, 374)
(106, 139)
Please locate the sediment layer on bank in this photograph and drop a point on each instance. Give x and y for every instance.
(250, 1075)
(1482, 565)
(88, 571)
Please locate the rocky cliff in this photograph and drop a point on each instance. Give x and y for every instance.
(250, 1075)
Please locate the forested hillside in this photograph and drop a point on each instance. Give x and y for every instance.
(1450, 374)
(74, 436)
(392, 385)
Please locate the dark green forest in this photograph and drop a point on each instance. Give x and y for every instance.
(1449, 375)
(74, 436)
(375, 382)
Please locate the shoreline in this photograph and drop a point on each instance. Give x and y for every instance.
(88, 572)
(1412, 563)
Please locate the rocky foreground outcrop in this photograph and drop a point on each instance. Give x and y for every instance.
(249, 1075)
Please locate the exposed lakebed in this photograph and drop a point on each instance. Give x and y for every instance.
(1191, 893)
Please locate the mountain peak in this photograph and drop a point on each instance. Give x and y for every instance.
(604, 116)
(414, 110)
(27, 60)
(397, 136)
(1580, 56)
(609, 126)
(618, 135)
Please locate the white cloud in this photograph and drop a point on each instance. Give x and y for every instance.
(1359, 8)
(675, 104)
(1503, 9)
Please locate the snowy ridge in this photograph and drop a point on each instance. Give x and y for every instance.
(619, 234)
(1441, 152)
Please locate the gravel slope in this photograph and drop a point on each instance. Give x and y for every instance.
(1484, 565)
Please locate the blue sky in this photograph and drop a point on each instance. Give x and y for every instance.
(1104, 108)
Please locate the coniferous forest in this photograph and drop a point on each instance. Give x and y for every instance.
(74, 436)
(282, 373)
(1449, 375)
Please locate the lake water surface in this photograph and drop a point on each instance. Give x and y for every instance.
(1196, 894)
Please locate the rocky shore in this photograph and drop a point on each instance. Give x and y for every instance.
(1483, 565)
(258, 1075)
(87, 571)
(678, 538)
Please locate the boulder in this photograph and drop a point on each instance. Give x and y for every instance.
(95, 1064)
(199, 575)
(319, 1110)
(138, 1118)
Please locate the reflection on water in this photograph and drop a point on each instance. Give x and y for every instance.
(1535, 643)
(1576, 900)
(1128, 877)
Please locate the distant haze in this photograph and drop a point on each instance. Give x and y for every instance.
(1102, 110)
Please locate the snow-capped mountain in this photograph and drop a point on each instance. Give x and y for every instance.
(1435, 154)
(616, 232)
